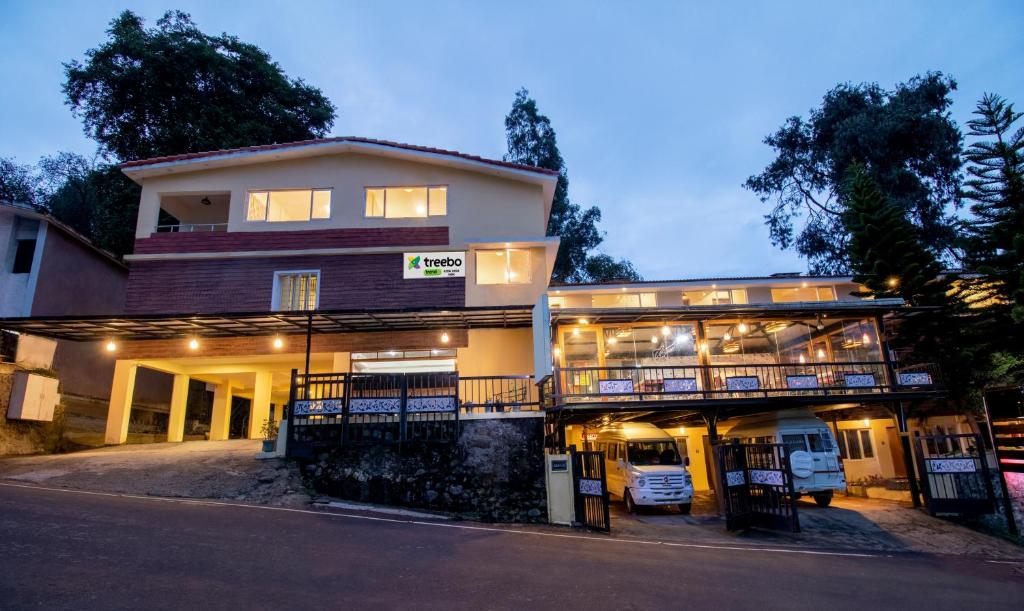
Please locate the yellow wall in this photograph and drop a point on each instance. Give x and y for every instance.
(497, 352)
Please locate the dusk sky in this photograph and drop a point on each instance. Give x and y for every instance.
(660, 108)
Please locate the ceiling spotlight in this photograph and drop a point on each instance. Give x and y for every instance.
(278, 343)
(666, 331)
(193, 344)
(742, 328)
(445, 338)
(111, 346)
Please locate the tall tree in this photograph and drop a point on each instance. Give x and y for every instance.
(532, 141)
(909, 144)
(173, 89)
(995, 240)
(18, 182)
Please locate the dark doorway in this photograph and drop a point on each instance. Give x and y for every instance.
(198, 411)
(239, 427)
(892, 439)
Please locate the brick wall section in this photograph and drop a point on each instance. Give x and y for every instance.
(293, 344)
(239, 241)
(209, 286)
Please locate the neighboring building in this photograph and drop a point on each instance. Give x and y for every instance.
(49, 269)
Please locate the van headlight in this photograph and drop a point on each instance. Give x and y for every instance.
(641, 482)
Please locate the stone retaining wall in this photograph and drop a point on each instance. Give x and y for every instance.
(494, 473)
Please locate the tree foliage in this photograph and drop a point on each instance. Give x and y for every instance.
(18, 182)
(995, 238)
(909, 145)
(532, 141)
(173, 89)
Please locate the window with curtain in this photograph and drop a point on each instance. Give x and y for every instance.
(506, 266)
(289, 205)
(406, 202)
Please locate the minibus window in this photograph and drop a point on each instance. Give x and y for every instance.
(646, 453)
(819, 443)
(794, 443)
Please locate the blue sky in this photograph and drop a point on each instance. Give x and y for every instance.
(660, 108)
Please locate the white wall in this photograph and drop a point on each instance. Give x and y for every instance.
(479, 205)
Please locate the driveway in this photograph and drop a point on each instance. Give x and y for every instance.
(192, 469)
(851, 523)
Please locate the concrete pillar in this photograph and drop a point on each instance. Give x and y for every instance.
(260, 407)
(341, 362)
(120, 409)
(179, 401)
(220, 421)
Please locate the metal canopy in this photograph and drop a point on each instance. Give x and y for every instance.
(170, 326)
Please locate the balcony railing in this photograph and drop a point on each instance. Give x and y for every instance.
(702, 382)
(192, 228)
(332, 409)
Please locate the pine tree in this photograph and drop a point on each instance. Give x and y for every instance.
(995, 244)
(884, 250)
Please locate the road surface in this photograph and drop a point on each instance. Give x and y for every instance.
(68, 549)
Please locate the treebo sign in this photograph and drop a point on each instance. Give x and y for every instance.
(434, 265)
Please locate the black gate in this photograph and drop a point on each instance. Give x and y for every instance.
(757, 486)
(590, 489)
(954, 474)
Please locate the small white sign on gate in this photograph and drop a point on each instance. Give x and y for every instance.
(763, 476)
(590, 487)
(952, 465)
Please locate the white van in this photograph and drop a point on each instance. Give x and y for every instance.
(813, 453)
(643, 466)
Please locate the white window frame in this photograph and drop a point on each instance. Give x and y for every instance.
(404, 218)
(275, 299)
(476, 269)
(266, 213)
(817, 293)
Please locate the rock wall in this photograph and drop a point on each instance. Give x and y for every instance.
(494, 473)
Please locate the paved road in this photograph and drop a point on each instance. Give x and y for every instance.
(63, 549)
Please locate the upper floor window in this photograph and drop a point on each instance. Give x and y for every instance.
(508, 266)
(803, 293)
(289, 205)
(406, 202)
(715, 297)
(23, 255)
(624, 300)
(296, 290)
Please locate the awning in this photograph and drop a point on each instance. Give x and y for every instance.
(169, 326)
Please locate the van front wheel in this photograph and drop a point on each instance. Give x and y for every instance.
(823, 499)
(684, 508)
(627, 498)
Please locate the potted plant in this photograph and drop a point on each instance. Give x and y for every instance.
(269, 432)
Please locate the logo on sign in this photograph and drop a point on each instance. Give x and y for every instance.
(434, 265)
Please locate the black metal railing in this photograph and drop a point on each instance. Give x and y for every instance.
(487, 394)
(331, 409)
(736, 381)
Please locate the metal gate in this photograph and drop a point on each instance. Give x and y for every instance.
(954, 474)
(590, 489)
(757, 485)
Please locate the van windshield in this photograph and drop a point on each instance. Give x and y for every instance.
(647, 453)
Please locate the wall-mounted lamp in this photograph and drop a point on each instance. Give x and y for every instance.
(193, 344)
(111, 346)
(444, 338)
(278, 343)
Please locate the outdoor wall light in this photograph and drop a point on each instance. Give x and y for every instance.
(611, 341)
(666, 331)
(556, 351)
(654, 339)
(866, 423)
(802, 359)
(821, 353)
(445, 338)
(742, 328)
(727, 336)
(193, 344)
(111, 346)
(583, 321)
(278, 343)
(893, 282)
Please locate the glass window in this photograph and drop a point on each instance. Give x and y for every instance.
(865, 443)
(438, 201)
(296, 290)
(652, 345)
(406, 202)
(648, 453)
(715, 297)
(819, 442)
(508, 266)
(853, 445)
(794, 443)
(580, 348)
(288, 205)
(375, 202)
(624, 300)
(257, 210)
(556, 302)
(803, 293)
(321, 204)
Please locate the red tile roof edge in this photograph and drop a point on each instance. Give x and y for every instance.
(399, 145)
